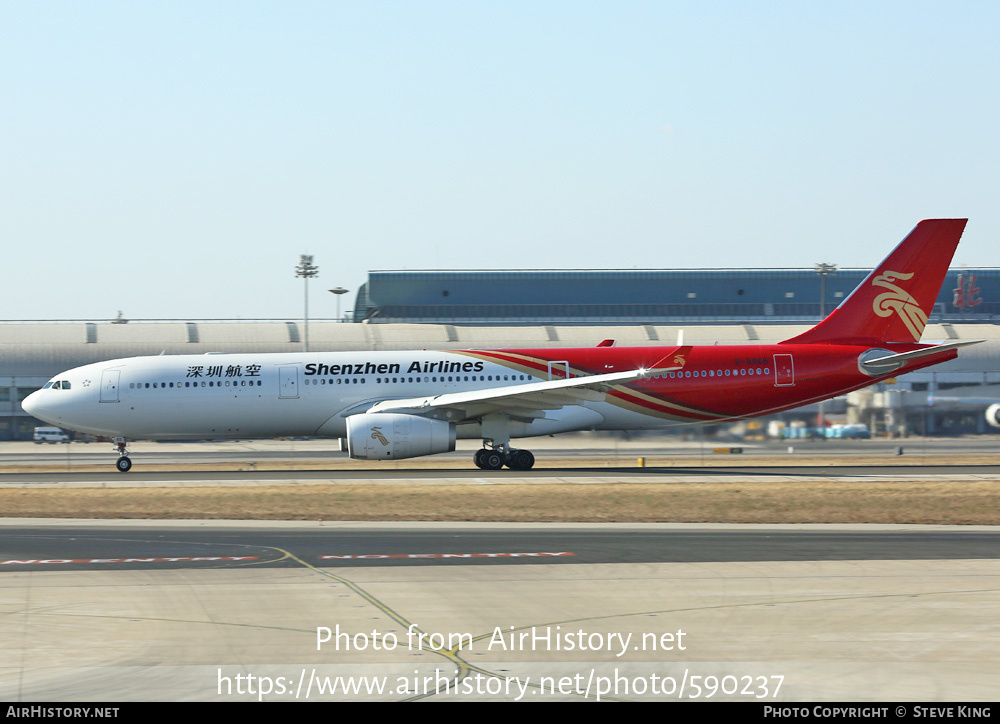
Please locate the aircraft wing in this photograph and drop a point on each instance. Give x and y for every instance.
(522, 400)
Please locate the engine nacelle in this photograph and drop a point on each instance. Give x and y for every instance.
(993, 415)
(391, 436)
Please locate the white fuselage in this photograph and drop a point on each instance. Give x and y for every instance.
(293, 394)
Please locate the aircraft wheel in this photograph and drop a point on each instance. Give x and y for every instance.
(478, 458)
(492, 460)
(123, 464)
(521, 460)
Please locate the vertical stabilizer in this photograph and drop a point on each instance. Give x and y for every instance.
(893, 303)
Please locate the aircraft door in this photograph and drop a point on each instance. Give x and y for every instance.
(559, 370)
(288, 381)
(109, 385)
(784, 370)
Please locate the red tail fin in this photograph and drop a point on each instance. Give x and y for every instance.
(894, 302)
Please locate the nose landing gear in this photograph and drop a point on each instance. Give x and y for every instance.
(124, 464)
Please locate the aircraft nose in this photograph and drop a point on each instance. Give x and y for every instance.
(37, 405)
(30, 404)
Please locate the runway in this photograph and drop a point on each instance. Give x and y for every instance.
(150, 546)
(574, 459)
(580, 476)
(226, 611)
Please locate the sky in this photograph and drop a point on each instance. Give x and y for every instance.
(174, 159)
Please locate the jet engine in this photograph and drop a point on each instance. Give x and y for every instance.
(993, 415)
(391, 436)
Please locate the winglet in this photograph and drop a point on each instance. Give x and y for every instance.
(673, 361)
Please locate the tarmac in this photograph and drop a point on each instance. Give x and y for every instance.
(238, 611)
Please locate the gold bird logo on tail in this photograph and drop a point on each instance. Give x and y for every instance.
(899, 301)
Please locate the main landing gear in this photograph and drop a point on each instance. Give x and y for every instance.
(496, 458)
(497, 451)
(123, 463)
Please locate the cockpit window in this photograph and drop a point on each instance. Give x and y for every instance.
(47, 385)
(65, 384)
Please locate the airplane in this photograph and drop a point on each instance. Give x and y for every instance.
(991, 405)
(398, 405)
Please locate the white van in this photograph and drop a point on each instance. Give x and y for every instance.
(49, 434)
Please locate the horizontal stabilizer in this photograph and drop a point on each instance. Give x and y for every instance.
(889, 362)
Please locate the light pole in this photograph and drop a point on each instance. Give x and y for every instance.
(824, 270)
(338, 291)
(306, 269)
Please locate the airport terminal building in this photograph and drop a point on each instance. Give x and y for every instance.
(398, 310)
(664, 296)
